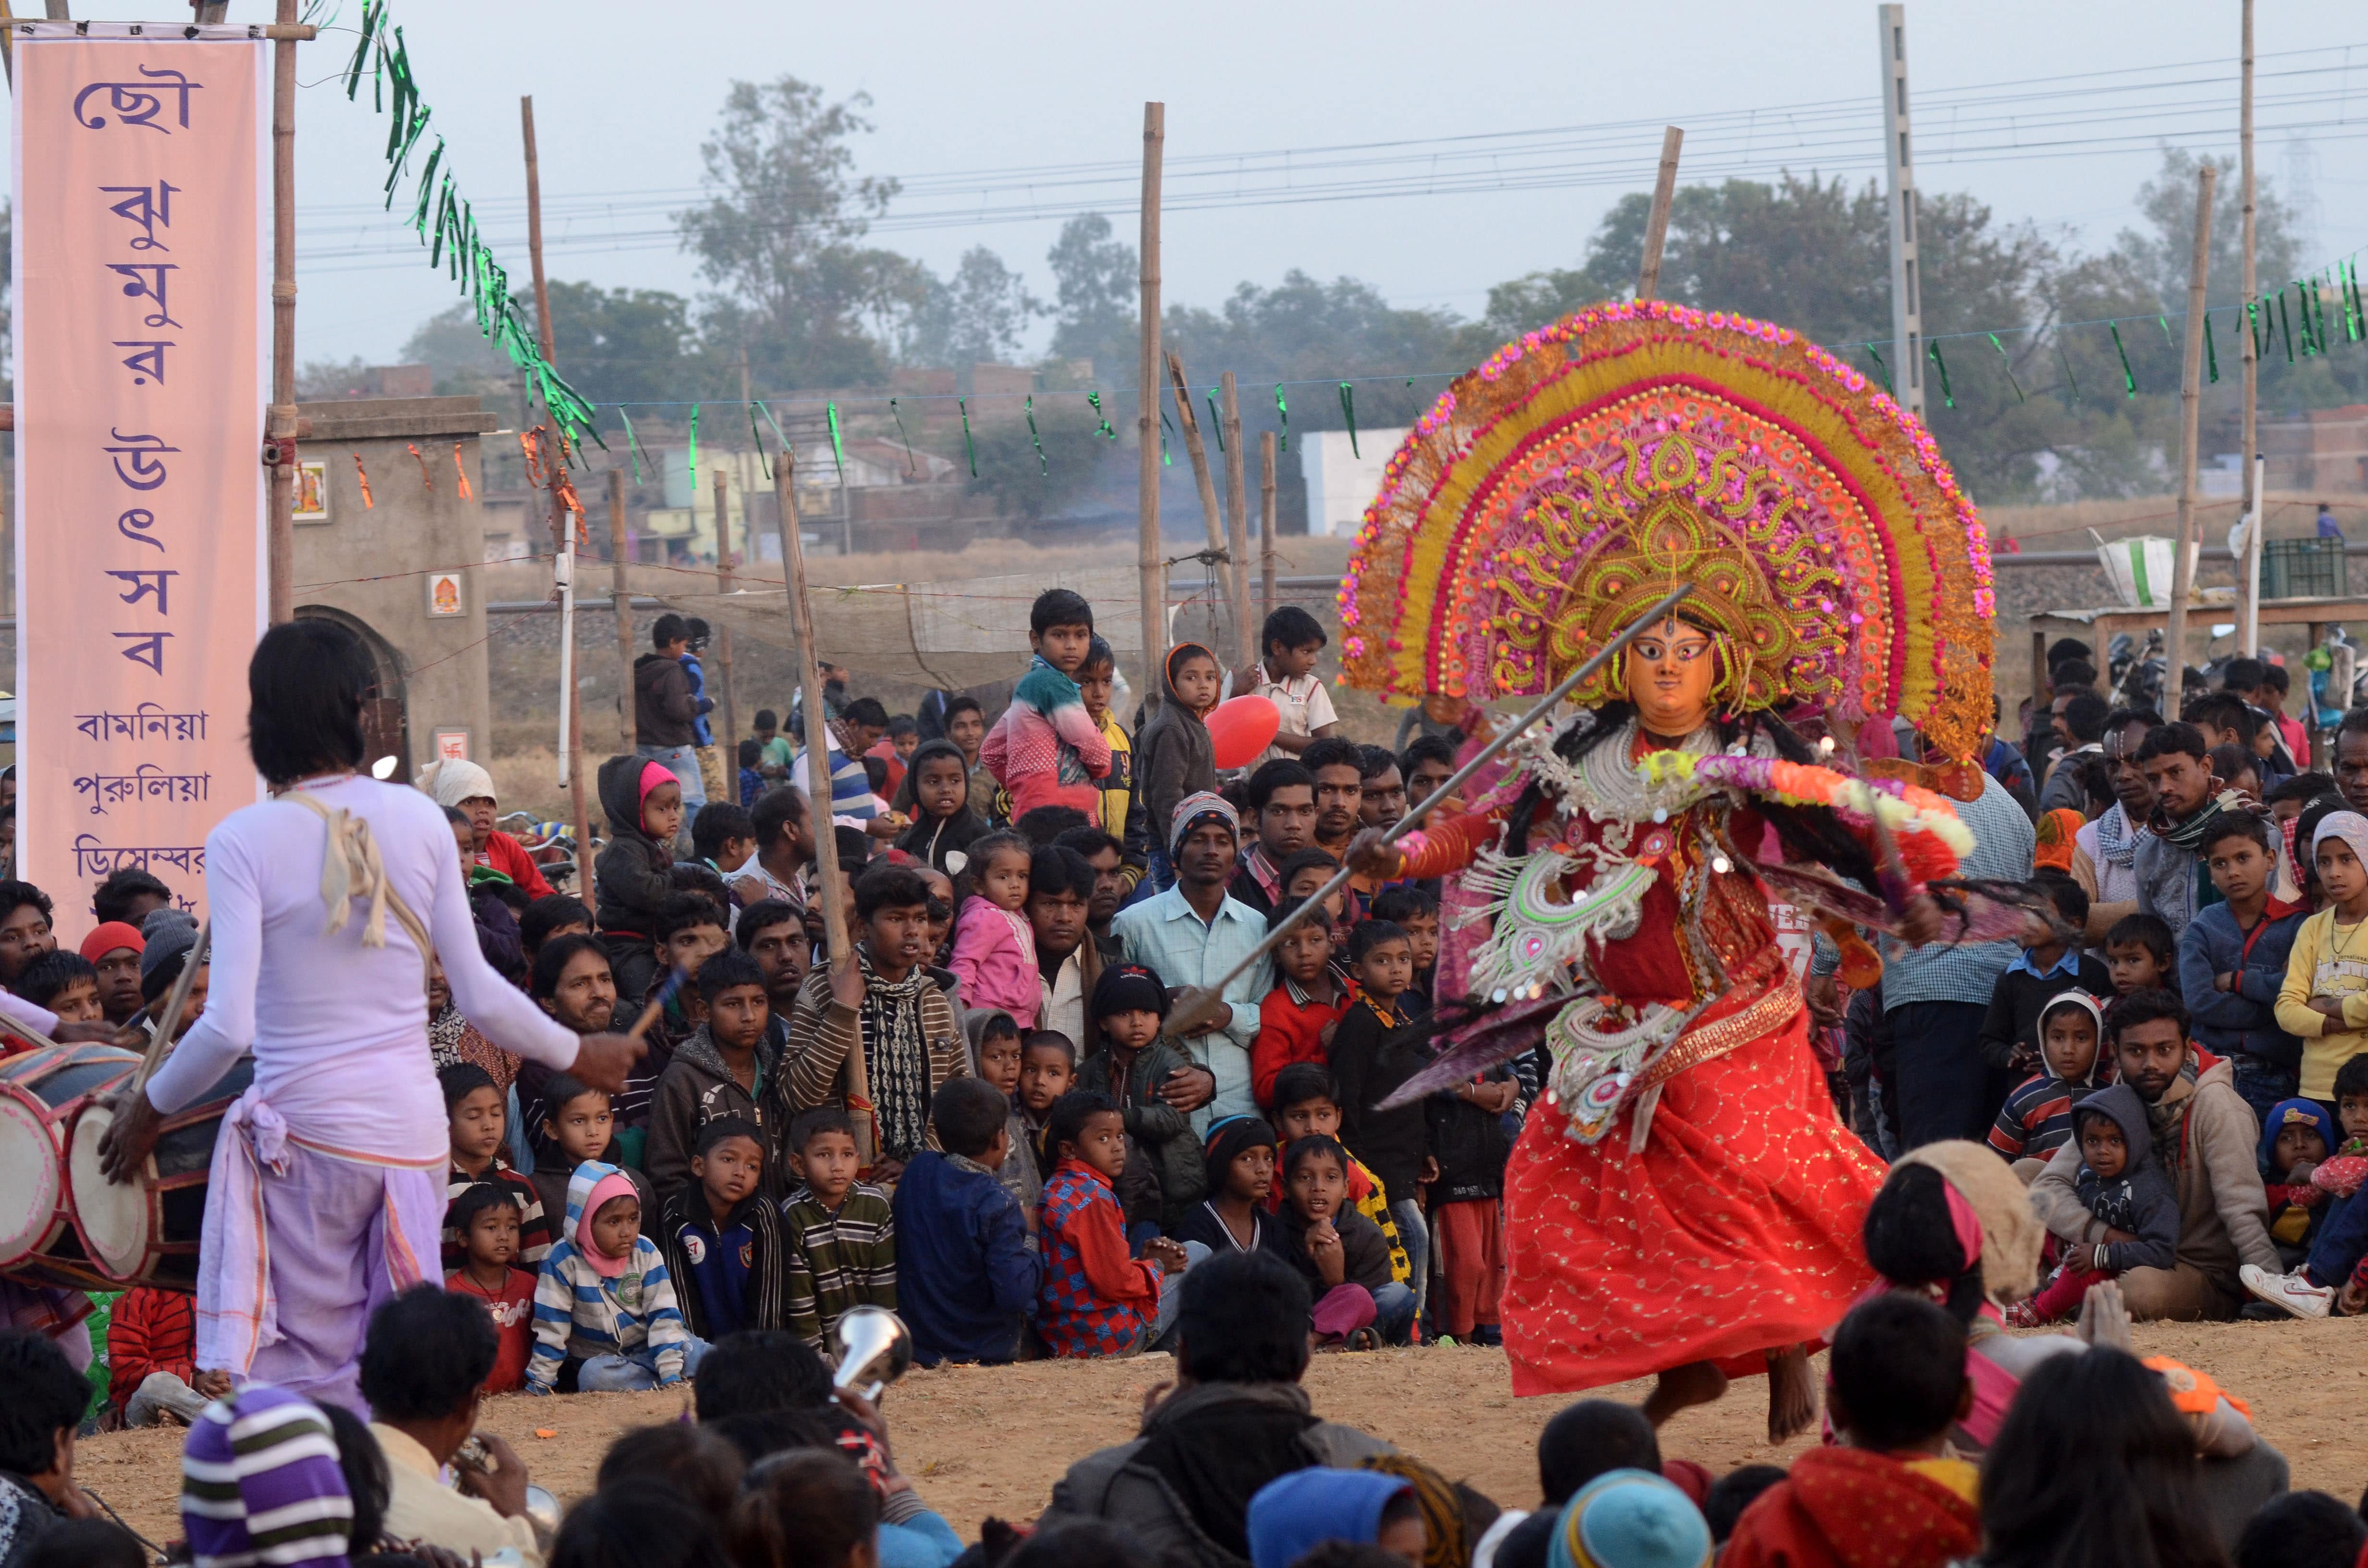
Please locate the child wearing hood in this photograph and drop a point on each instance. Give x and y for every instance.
(2121, 1186)
(2036, 1119)
(1173, 755)
(605, 1317)
(634, 880)
(2296, 1138)
(1046, 750)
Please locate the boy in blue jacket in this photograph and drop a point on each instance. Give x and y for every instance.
(2232, 960)
(967, 1273)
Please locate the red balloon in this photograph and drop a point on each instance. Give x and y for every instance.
(1242, 728)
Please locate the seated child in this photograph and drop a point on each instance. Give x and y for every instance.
(2036, 1119)
(2009, 1038)
(1341, 1251)
(841, 1233)
(2335, 1277)
(486, 1218)
(2140, 955)
(721, 1236)
(1236, 1215)
(1413, 909)
(573, 1124)
(67, 983)
(1297, 1019)
(1096, 1300)
(971, 1275)
(1895, 1385)
(152, 1358)
(994, 947)
(605, 1318)
(995, 1050)
(2123, 1189)
(632, 881)
(2295, 1139)
(1307, 1102)
(1048, 1069)
(722, 1070)
(1128, 1006)
(477, 1114)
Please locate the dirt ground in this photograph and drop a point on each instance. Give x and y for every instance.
(981, 1441)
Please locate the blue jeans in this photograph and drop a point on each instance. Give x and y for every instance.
(1394, 1310)
(630, 1374)
(683, 762)
(2263, 1083)
(1416, 1235)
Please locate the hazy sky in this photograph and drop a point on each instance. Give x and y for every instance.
(625, 93)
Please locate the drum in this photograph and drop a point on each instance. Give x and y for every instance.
(145, 1232)
(40, 1092)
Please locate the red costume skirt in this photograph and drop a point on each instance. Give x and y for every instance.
(1735, 1232)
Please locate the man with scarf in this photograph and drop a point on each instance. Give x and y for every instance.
(1235, 1419)
(2172, 882)
(2104, 851)
(885, 1005)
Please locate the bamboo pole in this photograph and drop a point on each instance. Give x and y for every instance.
(1657, 226)
(279, 426)
(731, 743)
(836, 944)
(2191, 375)
(1265, 520)
(621, 599)
(1237, 521)
(1152, 575)
(563, 524)
(2249, 570)
(1198, 452)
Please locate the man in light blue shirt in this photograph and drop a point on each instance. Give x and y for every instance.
(1191, 935)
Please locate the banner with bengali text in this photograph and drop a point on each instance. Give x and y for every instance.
(141, 372)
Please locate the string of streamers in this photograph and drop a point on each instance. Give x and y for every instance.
(420, 458)
(458, 467)
(1282, 412)
(838, 447)
(1349, 414)
(2007, 360)
(443, 218)
(1880, 369)
(1045, 467)
(1216, 423)
(1103, 428)
(757, 438)
(2129, 380)
(970, 448)
(911, 466)
(1932, 352)
(362, 474)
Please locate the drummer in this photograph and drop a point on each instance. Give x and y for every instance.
(326, 1195)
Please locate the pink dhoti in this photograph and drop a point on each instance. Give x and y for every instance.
(303, 1241)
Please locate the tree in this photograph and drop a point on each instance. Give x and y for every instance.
(449, 344)
(1097, 294)
(976, 317)
(621, 344)
(779, 237)
(2163, 256)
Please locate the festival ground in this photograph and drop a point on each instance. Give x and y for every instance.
(983, 1441)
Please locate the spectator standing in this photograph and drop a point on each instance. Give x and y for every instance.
(665, 710)
(1173, 753)
(2325, 997)
(2169, 863)
(1281, 800)
(1285, 675)
(2081, 729)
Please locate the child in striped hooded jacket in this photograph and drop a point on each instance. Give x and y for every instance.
(604, 1303)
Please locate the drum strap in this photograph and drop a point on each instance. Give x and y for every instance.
(351, 869)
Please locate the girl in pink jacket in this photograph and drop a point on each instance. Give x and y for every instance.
(994, 947)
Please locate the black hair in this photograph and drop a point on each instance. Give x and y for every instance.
(1305, 859)
(669, 628)
(691, 876)
(304, 688)
(2146, 1007)
(767, 719)
(2058, 888)
(1367, 935)
(875, 772)
(44, 1393)
(370, 1485)
(775, 809)
(809, 1508)
(1288, 907)
(639, 1522)
(41, 980)
(685, 911)
(1066, 1123)
(1000, 1025)
(695, 1460)
(963, 704)
(1276, 773)
(967, 1113)
(1242, 1319)
(750, 752)
(759, 1370)
(1912, 1242)
(1374, 761)
(1332, 751)
(1310, 1147)
(1427, 748)
(2304, 787)
(812, 1123)
(1070, 1540)
(726, 1126)
(551, 961)
(889, 886)
(14, 895)
(83, 1543)
(1090, 840)
(724, 970)
(2352, 1078)
(1288, 625)
(1302, 1082)
(764, 914)
(2094, 1465)
(1049, 1039)
(113, 898)
(2064, 648)
(1059, 607)
(1585, 1439)
(1897, 1370)
(2085, 717)
(1097, 653)
(902, 724)
(2275, 677)
(456, 816)
(1733, 1493)
(2237, 825)
(2120, 719)
(559, 1091)
(2071, 675)
(2224, 710)
(2302, 1529)
(2148, 931)
(1054, 870)
(2169, 740)
(462, 1079)
(547, 914)
(718, 823)
(425, 1353)
(473, 1200)
(1402, 902)
(1044, 824)
(2243, 674)
(868, 711)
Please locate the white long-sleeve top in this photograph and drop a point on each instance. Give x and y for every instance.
(339, 1031)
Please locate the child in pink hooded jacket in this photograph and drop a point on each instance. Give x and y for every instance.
(995, 946)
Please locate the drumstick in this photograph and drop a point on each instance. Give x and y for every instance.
(658, 999)
(175, 1002)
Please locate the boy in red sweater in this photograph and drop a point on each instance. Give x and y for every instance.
(151, 1372)
(486, 1218)
(1297, 1019)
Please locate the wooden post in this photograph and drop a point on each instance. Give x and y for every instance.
(620, 598)
(1152, 575)
(1237, 521)
(534, 243)
(836, 940)
(279, 426)
(2249, 569)
(1198, 452)
(724, 634)
(1657, 226)
(1266, 521)
(2183, 575)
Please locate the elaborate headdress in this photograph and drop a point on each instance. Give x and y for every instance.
(1560, 489)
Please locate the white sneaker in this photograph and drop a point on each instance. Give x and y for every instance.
(2290, 1293)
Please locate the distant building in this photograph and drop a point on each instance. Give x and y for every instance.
(1342, 483)
(2323, 451)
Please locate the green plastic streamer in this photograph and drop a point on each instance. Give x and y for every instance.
(1104, 427)
(2007, 360)
(2285, 327)
(910, 466)
(2253, 323)
(1349, 414)
(2211, 348)
(1045, 467)
(2069, 379)
(2129, 380)
(693, 469)
(1164, 460)
(1282, 411)
(1216, 421)
(1880, 369)
(2168, 341)
(1932, 352)
(838, 447)
(632, 444)
(756, 437)
(969, 446)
